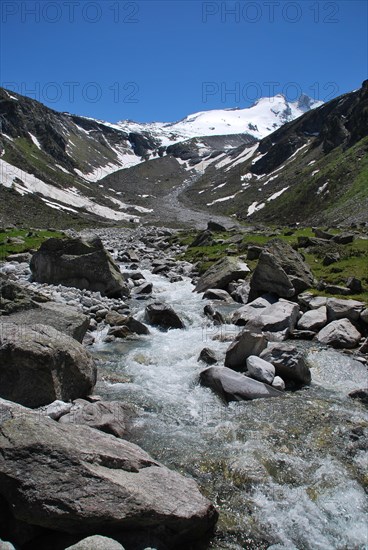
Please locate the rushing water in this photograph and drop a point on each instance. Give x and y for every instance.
(284, 473)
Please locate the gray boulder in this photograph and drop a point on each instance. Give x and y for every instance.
(14, 297)
(96, 542)
(313, 320)
(61, 317)
(78, 480)
(217, 294)
(163, 316)
(310, 301)
(221, 273)
(278, 383)
(107, 416)
(245, 344)
(339, 334)
(252, 310)
(289, 362)
(339, 309)
(280, 317)
(208, 356)
(78, 263)
(234, 386)
(38, 365)
(260, 370)
(280, 270)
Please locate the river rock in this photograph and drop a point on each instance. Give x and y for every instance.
(106, 416)
(96, 542)
(280, 270)
(136, 326)
(278, 383)
(234, 386)
(163, 316)
(260, 370)
(221, 273)
(251, 310)
(364, 315)
(78, 263)
(38, 365)
(361, 394)
(207, 356)
(75, 479)
(115, 319)
(313, 320)
(14, 297)
(144, 288)
(245, 344)
(61, 317)
(280, 317)
(310, 301)
(339, 334)
(339, 309)
(289, 362)
(217, 294)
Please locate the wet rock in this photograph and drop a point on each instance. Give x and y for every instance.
(260, 370)
(61, 317)
(96, 542)
(96, 483)
(234, 386)
(78, 263)
(339, 334)
(38, 365)
(163, 316)
(207, 356)
(339, 309)
(119, 332)
(313, 320)
(136, 326)
(213, 315)
(247, 343)
(289, 362)
(281, 271)
(220, 274)
(217, 294)
(145, 288)
(114, 319)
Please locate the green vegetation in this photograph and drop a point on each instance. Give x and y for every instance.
(353, 260)
(15, 241)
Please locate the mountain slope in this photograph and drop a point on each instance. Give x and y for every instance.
(312, 170)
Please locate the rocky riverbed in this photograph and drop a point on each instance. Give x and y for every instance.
(284, 472)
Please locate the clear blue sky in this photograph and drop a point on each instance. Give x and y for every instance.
(161, 60)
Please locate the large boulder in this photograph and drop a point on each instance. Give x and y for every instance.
(245, 344)
(64, 318)
(163, 316)
(234, 386)
(221, 273)
(83, 264)
(280, 270)
(338, 308)
(280, 317)
(78, 480)
(339, 334)
(313, 320)
(251, 311)
(289, 362)
(260, 370)
(14, 297)
(38, 365)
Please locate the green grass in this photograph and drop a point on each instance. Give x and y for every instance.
(32, 240)
(353, 257)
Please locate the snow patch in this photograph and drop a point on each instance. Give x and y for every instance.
(277, 194)
(35, 141)
(254, 207)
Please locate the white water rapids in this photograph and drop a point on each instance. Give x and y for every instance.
(284, 473)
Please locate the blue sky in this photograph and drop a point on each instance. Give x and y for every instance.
(161, 60)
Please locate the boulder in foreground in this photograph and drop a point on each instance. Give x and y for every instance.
(83, 264)
(39, 364)
(78, 480)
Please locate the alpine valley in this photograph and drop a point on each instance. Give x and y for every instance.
(277, 162)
